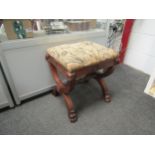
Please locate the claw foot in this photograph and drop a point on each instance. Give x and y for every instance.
(107, 98)
(72, 116)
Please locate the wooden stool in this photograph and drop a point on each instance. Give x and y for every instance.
(79, 61)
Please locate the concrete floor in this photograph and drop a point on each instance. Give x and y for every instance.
(130, 112)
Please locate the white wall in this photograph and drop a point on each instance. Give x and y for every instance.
(141, 47)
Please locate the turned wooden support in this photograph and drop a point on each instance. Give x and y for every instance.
(65, 89)
(60, 86)
(102, 83)
(104, 89)
(70, 106)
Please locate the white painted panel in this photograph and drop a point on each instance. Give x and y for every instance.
(29, 69)
(3, 98)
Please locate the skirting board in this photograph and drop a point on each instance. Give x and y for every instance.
(35, 93)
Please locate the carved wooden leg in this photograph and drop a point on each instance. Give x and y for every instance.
(105, 90)
(64, 89)
(70, 106)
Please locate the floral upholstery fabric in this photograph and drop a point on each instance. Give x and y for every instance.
(77, 55)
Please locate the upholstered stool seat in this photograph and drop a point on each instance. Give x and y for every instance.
(82, 60)
(77, 55)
